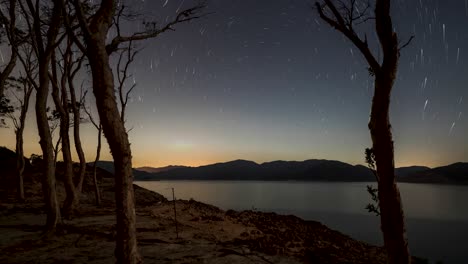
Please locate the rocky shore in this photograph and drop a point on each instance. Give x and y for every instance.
(206, 234)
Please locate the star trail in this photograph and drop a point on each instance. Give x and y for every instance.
(266, 80)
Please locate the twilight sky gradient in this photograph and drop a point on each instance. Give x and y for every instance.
(266, 80)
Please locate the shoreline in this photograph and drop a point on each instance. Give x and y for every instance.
(461, 184)
(207, 234)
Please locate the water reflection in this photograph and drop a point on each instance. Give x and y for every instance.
(437, 217)
(424, 201)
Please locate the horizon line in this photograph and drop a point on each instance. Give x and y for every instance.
(260, 163)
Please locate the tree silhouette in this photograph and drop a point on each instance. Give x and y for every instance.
(42, 22)
(344, 16)
(126, 57)
(25, 89)
(63, 71)
(60, 97)
(98, 50)
(98, 126)
(54, 123)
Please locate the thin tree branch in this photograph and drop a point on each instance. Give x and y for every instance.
(406, 44)
(182, 17)
(338, 22)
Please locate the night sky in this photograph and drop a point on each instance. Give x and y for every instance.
(267, 80)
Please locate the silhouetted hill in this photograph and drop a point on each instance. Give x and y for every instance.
(160, 169)
(7, 157)
(109, 166)
(8, 168)
(105, 165)
(456, 173)
(403, 172)
(309, 170)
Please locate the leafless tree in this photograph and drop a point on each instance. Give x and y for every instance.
(19, 122)
(54, 123)
(64, 71)
(98, 126)
(14, 38)
(344, 16)
(95, 32)
(126, 57)
(71, 67)
(60, 97)
(43, 38)
(76, 105)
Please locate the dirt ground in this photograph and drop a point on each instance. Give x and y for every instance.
(206, 234)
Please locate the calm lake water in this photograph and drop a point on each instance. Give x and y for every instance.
(436, 215)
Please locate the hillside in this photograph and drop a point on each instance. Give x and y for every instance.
(456, 173)
(160, 169)
(109, 167)
(308, 170)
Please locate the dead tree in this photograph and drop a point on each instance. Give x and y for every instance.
(98, 126)
(62, 78)
(95, 32)
(60, 97)
(19, 124)
(76, 106)
(344, 16)
(43, 38)
(24, 86)
(15, 38)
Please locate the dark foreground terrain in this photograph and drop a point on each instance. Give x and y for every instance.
(206, 234)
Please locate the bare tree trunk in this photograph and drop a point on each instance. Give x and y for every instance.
(391, 209)
(68, 205)
(98, 154)
(114, 130)
(103, 88)
(95, 32)
(70, 199)
(56, 149)
(392, 217)
(49, 189)
(76, 136)
(20, 163)
(68, 169)
(43, 46)
(98, 126)
(61, 105)
(48, 184)
(343, 18)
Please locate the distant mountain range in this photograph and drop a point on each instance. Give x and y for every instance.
(308, 170)
(456, 173)
(161, 169)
